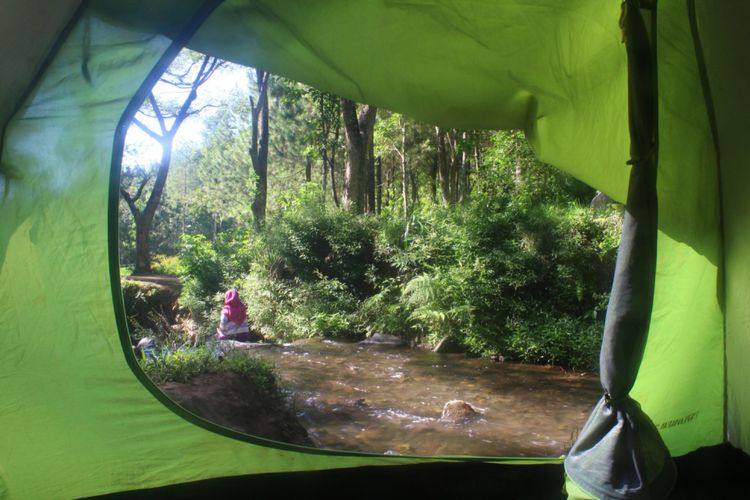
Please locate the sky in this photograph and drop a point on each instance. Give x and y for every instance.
(142, 150)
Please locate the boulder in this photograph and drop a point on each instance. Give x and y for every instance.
(458, 411)
(447, 346)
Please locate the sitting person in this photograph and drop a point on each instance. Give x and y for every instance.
(233, 324)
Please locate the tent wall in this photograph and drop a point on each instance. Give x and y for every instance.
(681, 381)
(724, 39)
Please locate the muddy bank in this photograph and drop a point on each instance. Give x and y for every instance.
(232, 400)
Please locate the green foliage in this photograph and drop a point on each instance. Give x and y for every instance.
(383, 312)
(514, 170)
(179, 365)
(307, 239)
(202, 274)
(167, 264)
(517, 264)
(291, 309)
(545, 339)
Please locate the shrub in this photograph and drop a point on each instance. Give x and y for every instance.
(308, 240)
(291, 309)
(179, 365)
(166, 264)
(545, 339)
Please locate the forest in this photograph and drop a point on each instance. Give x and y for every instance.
(338, 220)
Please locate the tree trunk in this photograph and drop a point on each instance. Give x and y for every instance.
(379, 181)
(455, 161)
(433, 178)
(463, 174)
(370, 172)
(414, 189)
(388, 184)
(358, 132)
(324, 174)
(308, 169)
(144, 219)
(259, 149)
(443, 166)
(404, 196)
(334, 193)
(142, 250)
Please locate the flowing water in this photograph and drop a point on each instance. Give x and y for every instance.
(383, 399)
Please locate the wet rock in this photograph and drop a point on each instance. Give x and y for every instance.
(447, 345)
(383, 339)
(458, 411)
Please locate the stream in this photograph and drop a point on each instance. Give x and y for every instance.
(388, 400)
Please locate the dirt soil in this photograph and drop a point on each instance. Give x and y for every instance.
(232, 400)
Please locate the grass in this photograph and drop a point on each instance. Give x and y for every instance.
(182, 364)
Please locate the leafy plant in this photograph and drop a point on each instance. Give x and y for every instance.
(179, 365)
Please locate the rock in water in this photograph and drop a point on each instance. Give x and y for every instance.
(458, 411)
(384, 339)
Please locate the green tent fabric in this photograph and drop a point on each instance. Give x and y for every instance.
(74, 405)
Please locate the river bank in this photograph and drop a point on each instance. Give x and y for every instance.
(234, 401)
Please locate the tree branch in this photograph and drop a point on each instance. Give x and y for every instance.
(157, 111)
(150, 132)
(131, 204)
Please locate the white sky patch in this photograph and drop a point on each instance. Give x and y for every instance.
(141, 150)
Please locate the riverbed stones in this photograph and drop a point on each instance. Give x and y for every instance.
(457, 411)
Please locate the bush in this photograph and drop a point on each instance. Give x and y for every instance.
(166, 264)
(501, 275)
(307, 240)
(573, 343)
(179, 365)
(291, 309)
(202, 271)
(523, 270)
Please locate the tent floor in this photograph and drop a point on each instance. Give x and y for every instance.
(719, 472)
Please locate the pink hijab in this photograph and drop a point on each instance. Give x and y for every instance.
(234, 309)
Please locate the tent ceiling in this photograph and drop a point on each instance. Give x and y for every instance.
(29, 29)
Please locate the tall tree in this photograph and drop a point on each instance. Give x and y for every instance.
(224, 184)
(259, 147)
(328, 137)
(453, 164)
(359, 153)
(168, 117)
